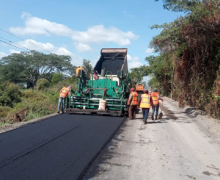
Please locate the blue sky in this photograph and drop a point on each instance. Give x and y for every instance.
(81, 28)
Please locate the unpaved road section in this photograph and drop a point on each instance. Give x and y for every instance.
(56, 148)
(174, 148)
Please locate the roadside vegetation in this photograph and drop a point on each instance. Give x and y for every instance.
(187, 64)
(46, 76)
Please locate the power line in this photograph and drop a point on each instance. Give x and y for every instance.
(15, 43)
(24, 40)
(11, 44)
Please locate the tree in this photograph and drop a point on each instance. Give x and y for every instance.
(180, 5)
(42, 84)
(189, 54)
(136, 75)
(10, 94)
(57, 77)
(87, 67)
(33, 66)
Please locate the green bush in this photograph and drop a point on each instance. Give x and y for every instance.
(35, 103)
(42, 84)
(10, 94)
(57, 77)
(4, 111)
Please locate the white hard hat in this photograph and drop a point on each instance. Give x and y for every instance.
(78, 66)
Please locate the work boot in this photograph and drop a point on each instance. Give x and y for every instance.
(58, 111)
(152, 117)
(145, 121)
(156, 118)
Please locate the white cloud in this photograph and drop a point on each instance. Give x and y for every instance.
(100, 34)
(149, 50)
(133, 62)
(2, 54)
(38, 26)
(39, 46)
(34, 45)
(82, 47)
(94, 34)
(14, 51)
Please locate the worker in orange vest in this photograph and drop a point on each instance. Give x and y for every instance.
(132, 103)
(78, 70)
(63, 93)
(145, 103)
(155, 103)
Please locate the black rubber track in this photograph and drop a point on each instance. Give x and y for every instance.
(57, 148)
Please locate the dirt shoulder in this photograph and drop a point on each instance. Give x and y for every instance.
(175, 147)
(207, 124)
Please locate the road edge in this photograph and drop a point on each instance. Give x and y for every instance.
(209, 125)
(101, 149)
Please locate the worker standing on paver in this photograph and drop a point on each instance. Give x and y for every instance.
(63, 93)
(78, 69)
(155, 103)
(145, 103)
(132, 103)
(95, 75)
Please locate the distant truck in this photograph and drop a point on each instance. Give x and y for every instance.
(139, 89)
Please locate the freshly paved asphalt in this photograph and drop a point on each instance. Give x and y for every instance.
(57, 148)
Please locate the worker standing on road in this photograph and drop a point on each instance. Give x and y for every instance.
(144, 103)
(63, 93)
(155, 103)
(78, 69)
(132, 103)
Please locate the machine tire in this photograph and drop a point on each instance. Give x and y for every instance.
(125, 114)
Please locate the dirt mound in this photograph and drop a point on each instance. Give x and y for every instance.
(19, 116)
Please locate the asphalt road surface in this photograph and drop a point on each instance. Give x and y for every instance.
(176, 147)
(57, 148)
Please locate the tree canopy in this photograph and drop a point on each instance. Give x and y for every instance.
(188, 63)
(87, 67)
(57, 77)
(180, 5)
(136, 75)
(33, 66)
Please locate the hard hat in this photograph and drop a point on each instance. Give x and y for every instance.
(132, 89)
(78, 66)
(145, 91)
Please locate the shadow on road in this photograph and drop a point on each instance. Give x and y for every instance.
(155, 122)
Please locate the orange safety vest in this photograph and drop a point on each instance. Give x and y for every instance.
(145, 101)
(77, 71)
(64, 91)
(135, 98)
(155, 98)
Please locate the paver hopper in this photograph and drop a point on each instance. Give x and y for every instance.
(111, 87)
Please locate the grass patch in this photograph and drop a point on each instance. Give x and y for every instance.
(34, 104)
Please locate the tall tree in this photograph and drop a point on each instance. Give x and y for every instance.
(136, 75)
(57, 77)
(180, 5)
(33, 66)
(87, 67)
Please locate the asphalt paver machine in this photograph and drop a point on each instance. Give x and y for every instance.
(111, 86)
